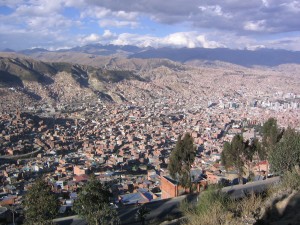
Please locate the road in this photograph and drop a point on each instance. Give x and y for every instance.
(161, 210)
(158, 212)
(239, 191)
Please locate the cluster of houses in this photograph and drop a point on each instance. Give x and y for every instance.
(125, 145)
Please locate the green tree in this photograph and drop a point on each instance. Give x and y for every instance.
(233, 154)
(181, 159)
(142, 213)
(40, 204)
(252, 148)
(286, 154)
(271, 135)
(93, 204)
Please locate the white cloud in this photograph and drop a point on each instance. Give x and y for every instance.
(117, 23)
(290, 43)
(56, 21)
(93, 38)
(180, 39)
(125, 15)
(128, 39)
(254, 47)
(107, 34)
(293, 6)
(208, 44)
(214, 10)
(189, 40)
(10, 3)
(89, 39)
(95, 12)
(45, 22)
(255, 25)
(75, 3)
(40, 8)
(265, 3)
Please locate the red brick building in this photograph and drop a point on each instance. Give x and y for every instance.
(170, 188)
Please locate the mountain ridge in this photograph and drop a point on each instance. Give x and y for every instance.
(247, 58)
(40, 80)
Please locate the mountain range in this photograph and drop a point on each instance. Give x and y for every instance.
(248, 58)
(129, 73)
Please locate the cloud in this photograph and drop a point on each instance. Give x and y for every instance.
(189, 40)
(94, 38)
(40, 8)
(290, 43)
(230, 15)
(180, 39)
(255, 25)
(107, 34)
(125, 15)
(118, 23)
(206, 23)
(55, 21)
(96, 12)
(108, 18)
(10, 3)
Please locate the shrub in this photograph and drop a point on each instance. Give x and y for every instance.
(291, 180)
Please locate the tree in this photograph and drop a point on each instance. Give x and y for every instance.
(181, 159)
(286, 154)
(233, 154)
(142, 213)
(251, 148)
(40, 204)
(93, 205)
(271, 135)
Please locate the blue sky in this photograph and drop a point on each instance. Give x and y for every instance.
(56, 24)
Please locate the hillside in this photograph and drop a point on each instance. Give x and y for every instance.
(26, 80)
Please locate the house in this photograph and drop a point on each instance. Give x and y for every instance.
(170, 188)
(261, 168)
(142, 196)
(9, 200)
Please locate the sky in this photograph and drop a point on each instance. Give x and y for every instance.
(235, 24)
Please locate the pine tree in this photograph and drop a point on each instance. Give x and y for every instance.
(181, 159)
(271, 135)
(93, 205)
(40, 204)
(251, 148)
(234, 153)
(286, 154)
(142, 213)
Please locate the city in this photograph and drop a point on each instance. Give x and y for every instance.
(129, 143)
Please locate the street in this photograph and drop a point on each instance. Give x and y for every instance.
(169, 208)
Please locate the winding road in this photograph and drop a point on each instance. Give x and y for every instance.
(169, 208)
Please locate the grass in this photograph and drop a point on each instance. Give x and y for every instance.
(213, 208)
(291, 180)
(217, 208)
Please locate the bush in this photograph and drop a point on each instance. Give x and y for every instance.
(291, 180)
(212, 197)
(250, 206)
(216, 207)
(212, 208)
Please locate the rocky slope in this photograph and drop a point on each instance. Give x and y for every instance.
(27, 80)
(81, 77)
